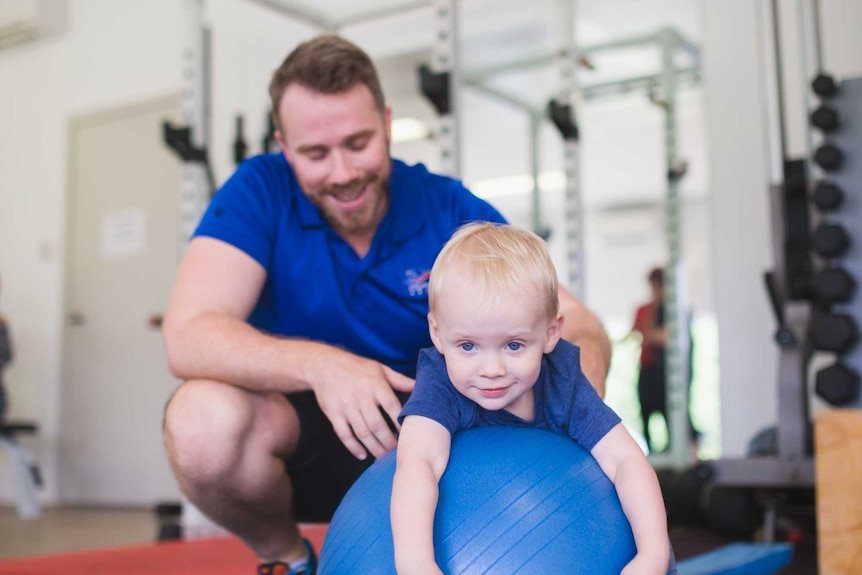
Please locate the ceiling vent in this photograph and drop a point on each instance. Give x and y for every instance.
(28, 20)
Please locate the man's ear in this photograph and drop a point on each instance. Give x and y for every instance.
(434, 330)
(555, 332)
(282, 143)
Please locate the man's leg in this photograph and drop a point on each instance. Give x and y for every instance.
(227, 448)
(321, 469)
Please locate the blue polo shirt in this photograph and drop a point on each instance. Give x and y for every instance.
(316, 286)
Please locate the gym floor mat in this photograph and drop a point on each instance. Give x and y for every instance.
(217, 556)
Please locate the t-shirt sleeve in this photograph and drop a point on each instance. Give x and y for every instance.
(592, 418)
(242, 213)
(433, 395)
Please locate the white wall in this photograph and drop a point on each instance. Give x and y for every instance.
(742, 243)
(113, 53)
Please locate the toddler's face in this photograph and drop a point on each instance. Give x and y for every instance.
(493, 349)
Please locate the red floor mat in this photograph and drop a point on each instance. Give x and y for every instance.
(220, 556)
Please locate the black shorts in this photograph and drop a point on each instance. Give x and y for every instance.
(321, 468)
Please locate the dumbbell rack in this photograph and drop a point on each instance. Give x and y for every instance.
(827, 318)
(837, 240)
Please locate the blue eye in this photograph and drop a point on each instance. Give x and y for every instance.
(467, 346)
(514, 346)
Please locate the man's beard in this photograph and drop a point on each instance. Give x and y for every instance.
(364, 220)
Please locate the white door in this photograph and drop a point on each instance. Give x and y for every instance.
(123, 248)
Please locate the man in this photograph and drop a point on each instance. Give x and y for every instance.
(300, 308)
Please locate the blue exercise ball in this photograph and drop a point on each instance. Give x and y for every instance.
(512, 500)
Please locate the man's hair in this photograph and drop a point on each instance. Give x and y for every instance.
(327, 64)
(501, 260)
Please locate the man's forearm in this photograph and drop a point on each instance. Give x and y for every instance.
(595, 354)
(584, 329)
(222, 348)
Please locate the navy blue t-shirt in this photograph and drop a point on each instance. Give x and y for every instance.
(316, 285)
(565, 402)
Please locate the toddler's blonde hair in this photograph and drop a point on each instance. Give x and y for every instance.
(501, 260)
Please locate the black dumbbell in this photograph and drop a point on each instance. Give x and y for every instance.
(827, 196)
(834, 285)
(829, 157)
(834, 332)
(826, 119)
(830, 240)
(824, 85)
(837, 384)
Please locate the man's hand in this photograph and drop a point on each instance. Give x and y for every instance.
(351, 391)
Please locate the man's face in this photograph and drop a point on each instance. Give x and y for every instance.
(338, 145)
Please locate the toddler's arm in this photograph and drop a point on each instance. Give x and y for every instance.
(422, 456)
(640, 495)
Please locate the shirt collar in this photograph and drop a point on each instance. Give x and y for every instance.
(402, 221)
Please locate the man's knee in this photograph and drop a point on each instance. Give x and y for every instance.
(213, 430)
(204, 427)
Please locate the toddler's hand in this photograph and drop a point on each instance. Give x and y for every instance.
(645, 565)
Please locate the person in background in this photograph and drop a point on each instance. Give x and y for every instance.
(498, 359)
(650, 325)
(301, 304)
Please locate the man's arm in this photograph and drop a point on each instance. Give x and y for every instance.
(640, 496)
(207, 337)
(584, 329)
(423, 453)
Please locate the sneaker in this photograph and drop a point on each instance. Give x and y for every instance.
(282, 568)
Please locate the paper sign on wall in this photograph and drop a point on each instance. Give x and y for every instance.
(124, 233)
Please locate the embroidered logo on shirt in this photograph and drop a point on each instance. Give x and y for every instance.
(417, 283)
